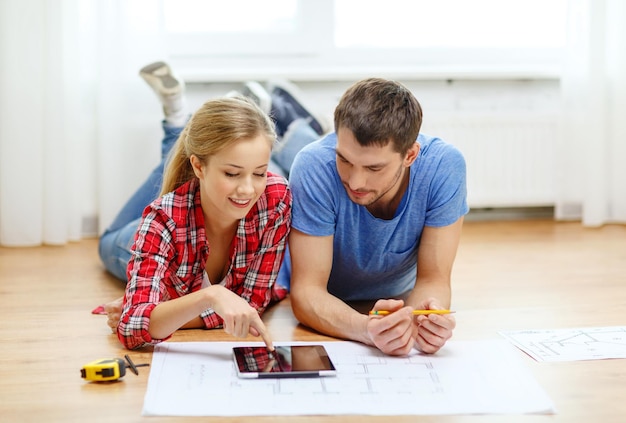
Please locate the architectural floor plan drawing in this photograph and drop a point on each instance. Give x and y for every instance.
(365, 375)
(466, 377)
(596, 343)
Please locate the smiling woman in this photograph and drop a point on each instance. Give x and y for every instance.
(206, 252)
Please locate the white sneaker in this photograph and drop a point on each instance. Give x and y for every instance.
(233, 94)
(169, 89)
(161, 79)
(258, 94)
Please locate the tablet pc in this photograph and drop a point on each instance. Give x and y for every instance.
(284, 361)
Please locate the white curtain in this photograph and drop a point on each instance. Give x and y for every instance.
(592, 151)
(78, 129)
(129, 36)
(38, 189)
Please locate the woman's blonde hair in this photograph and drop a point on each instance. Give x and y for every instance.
(218, 124)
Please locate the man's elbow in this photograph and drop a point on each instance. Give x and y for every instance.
(299, 304)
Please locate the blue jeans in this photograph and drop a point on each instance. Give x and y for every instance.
(298, 134)
(115, 242)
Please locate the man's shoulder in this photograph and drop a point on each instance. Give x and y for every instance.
(322, 148)
(435, 146)
(315, 157)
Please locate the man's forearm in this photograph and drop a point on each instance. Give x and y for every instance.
(329, 315)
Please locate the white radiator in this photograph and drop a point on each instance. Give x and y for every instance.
(510, 158)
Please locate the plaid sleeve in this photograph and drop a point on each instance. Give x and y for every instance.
(260, 251)
(151, 253)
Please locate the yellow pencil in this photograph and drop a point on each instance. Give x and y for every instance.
(415, 312)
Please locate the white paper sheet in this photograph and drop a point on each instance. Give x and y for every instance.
(596, 343)
(482, 377)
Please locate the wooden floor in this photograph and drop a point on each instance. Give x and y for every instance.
(508, 275)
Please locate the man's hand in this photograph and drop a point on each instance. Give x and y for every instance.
(433, 330)
(395, 333)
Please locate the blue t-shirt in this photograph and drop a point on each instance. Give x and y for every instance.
(375, 258)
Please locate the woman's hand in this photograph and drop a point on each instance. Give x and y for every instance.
(240, 318)
(113, 311)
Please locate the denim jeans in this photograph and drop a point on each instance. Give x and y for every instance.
(115, 242)
(298, 134)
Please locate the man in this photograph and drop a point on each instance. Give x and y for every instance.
(377, 216)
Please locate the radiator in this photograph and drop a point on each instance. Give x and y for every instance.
(510, 158)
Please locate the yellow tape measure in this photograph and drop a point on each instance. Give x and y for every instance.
(104, 369)
(107, 369)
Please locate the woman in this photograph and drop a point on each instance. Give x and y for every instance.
(207, 251)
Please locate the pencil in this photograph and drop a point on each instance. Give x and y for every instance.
(131, 364)
(415, 312)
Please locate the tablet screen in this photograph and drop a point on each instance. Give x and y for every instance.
(284, 361)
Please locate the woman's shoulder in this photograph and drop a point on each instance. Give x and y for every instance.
(276, 184)
(176, 207)
(276, 192)
(182, 196)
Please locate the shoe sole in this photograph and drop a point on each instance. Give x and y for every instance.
(162, 72)
(259, 94)
(292, 91)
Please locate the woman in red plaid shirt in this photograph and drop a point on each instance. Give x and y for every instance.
(206, 253)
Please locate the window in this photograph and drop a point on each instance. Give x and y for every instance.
(334, 38)
(240, 27)
(449, 24)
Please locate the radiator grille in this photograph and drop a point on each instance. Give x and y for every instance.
(510, 158)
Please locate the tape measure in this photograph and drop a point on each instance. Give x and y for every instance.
(107, 369)
(104, 369)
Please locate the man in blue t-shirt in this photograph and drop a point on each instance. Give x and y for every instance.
(377, 216)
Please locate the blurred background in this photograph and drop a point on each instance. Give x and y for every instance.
(532, 92)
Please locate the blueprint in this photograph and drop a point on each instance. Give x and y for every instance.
(480, 377)
(596, 343)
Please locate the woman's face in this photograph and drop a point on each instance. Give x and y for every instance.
(233, 179)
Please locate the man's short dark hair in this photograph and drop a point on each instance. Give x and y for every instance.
(379, 111)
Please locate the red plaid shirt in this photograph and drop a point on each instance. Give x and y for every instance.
(170, 251)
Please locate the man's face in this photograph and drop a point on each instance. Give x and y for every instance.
(370, 174)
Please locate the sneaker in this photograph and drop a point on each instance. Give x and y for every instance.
(286, 107)
(233, 94)
(161, 79)
(166, 86)
(258, 94)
